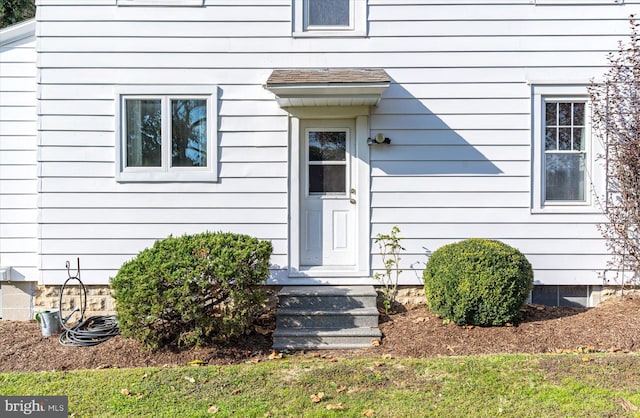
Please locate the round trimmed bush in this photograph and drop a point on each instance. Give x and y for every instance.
(192, 289)
(477, 282)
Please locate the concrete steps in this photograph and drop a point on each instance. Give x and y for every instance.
(326, 317)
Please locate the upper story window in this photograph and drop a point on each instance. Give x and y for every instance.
(565, 171)
(167, 134)
(329, 18)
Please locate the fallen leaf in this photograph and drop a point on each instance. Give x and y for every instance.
(317, 397)
(368, 412)
(173, 389)
(274, 355)
(125, 392)
(197, 363)
(375, 342)
(190, 379)
(235, 391)
(587, 358)
(628, 405)
(508, 324)
(144, 376)
(614, 350)
(451, 348)
(420, 319)
(378, 363)
(335, 406)
(139, 395)
(341, 389)
(254, 360)
(386, 356)
(262, 331)
(213, 409)
(469, 326)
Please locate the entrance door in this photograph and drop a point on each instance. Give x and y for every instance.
(328, 231)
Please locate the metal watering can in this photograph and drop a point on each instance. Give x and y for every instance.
(49, 322)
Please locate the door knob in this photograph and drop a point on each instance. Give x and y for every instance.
(353, 191)
(352, 201)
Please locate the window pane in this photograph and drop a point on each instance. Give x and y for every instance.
(188, 133)
(564, 139)
(578, 139)
(144, 133)
(327, 178)
(564, 114)
(578, 114)
(550, 113)
(564, 176)
(327, 146)
(328, 12)
(550, 139)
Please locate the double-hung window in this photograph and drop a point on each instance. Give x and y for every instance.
(167, 134)
(565, 155)
(564, 173)
(329, 17)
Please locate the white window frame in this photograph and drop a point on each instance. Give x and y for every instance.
(184, 3)
(357, 21)
(166, 173)
(594, 172)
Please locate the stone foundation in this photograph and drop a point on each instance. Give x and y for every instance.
(99, 299)
(609, 292)
(17, 298)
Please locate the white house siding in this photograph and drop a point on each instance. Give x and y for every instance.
(458, 112)
(18, 180)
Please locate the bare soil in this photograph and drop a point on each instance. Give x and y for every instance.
(613, 326)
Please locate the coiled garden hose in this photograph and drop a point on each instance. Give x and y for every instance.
(86, 332)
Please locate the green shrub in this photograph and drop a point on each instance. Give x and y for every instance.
(477, 282)
(189, 290)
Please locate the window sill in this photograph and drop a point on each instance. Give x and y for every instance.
(181, 3)
(567, 209)
(330, 34)
(164, 177)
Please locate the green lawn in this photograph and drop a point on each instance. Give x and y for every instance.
(566, 385)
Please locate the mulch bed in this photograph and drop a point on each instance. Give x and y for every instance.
(613, 326)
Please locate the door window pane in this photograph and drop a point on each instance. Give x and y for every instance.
(564, 176)
(327, 146)
(144, 132)
(189, 133)
(327, 178)
(328, 12)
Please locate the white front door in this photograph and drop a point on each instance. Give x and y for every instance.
(328, 221)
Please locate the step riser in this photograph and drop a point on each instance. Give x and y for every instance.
(329, 343)
(333, 321)
(337, 303)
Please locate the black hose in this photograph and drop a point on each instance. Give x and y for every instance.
(86, 332)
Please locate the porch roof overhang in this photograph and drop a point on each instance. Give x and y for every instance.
(328, 86)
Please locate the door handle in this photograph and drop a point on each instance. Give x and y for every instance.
(352, 201)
